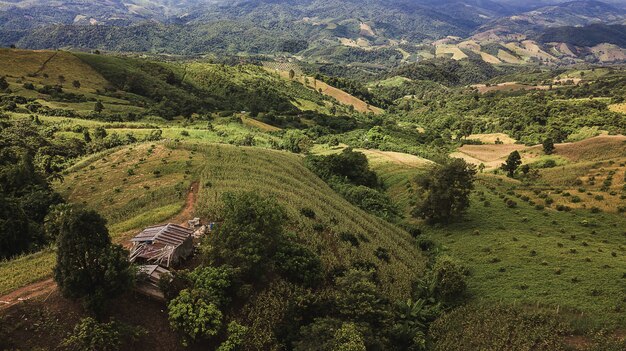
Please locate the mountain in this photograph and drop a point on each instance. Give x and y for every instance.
(575, 13)
(381, 33)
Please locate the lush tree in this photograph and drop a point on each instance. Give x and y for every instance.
(348, 338)
(298, 264)
(349, 165)
(215, 283)
(195, 317)
(249, 235)
(236, 334)
(548, 146)
(76, 84)
(360, 299)
(512, 163)
(296, 142)
(98, 107)
(292, 74)
(444, 191)
(88, 266)
(319, 335)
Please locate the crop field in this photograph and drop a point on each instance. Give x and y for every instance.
(492, 138)
(150, 186)
(284, 176)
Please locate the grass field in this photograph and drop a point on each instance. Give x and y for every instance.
(621, 108)
(45, 67)
(573, 262)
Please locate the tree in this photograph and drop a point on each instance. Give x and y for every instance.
(98, 107)
(249, 235)
(292, 74)
(348, 338)
(193, 316)
(88, 266)
(548, 146)
(3, 83)
(76, 84)
(512, 163)
(445, 191)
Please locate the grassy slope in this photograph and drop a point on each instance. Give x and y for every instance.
(514, 254)
(124, 200)
(283, 175)
(130, 202)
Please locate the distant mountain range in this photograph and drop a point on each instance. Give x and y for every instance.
(375, 32)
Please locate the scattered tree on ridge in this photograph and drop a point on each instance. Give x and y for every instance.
(445, 191)
(512, 163)
(548, 146)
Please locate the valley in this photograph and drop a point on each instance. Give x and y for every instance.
(412, 176)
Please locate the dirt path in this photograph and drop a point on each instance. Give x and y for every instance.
(48, 286)
(43, 65)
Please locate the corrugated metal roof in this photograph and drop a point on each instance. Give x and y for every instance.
(169, 234)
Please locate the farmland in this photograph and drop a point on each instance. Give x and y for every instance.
(336, 186)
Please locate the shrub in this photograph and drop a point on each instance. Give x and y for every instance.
(425, 244)
(382, 254)
(349, 238)
(511, 204)
(88, 334)
(307, 212)
(449, 283)
(575, 199)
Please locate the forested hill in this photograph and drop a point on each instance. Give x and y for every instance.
(591, 35)
(379, 32)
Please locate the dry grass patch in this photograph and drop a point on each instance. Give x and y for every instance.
(599, 148)
(492, 138)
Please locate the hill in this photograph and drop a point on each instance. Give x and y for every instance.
(589, 36)
(130, 202)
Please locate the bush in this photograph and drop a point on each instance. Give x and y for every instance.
(511, 204)
(349, 238)
(88, 334)
(449, 283)
(307, 212)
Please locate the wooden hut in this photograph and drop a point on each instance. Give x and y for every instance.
(164, 245)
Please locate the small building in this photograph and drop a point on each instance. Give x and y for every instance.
(150, 277)
(164, 245)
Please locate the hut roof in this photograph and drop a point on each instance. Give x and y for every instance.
(169, 234)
